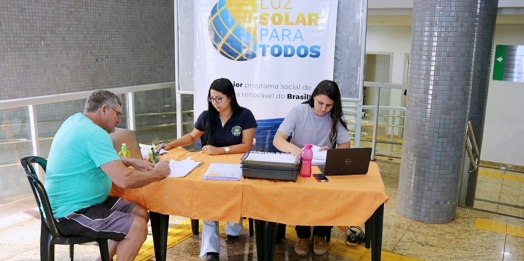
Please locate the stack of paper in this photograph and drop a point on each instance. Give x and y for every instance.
(181, 168)
(223, 171)
(271, 157)
(319, 156)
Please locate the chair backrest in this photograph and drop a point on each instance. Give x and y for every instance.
(42, 200)
(128, 137)
(263, 138)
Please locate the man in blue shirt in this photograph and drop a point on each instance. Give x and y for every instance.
(82, 165)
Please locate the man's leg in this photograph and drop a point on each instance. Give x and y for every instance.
(128, 248)
(138, 211)
(112, 219)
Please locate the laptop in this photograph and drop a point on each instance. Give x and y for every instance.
(346, 161)
(128, 137)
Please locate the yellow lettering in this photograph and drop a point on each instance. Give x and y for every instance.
(263, 18)
(301, 19)
(287, 19)
(286, 6)
(313, 18)
(262, 5)
(276, 19)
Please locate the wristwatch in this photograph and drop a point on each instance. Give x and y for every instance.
(226, 149)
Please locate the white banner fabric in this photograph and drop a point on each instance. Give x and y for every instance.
(274, 51)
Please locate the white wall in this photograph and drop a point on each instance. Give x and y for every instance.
(503, 139)
(388, 39)
(504, 126)
(396, 40)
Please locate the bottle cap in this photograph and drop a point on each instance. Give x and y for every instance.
(308, 146)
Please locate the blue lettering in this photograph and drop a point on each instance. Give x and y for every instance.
(263, 32)
(289, 50)
(274, 34)
(285, 34)
(314, 51)
(302, 51)
(298, 35)
(263, 46)
(276, 50)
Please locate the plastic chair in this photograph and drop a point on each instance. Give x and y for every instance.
(49, 235)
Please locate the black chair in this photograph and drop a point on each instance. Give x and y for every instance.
(49, 235)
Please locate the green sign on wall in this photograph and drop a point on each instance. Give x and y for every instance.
(509, 63)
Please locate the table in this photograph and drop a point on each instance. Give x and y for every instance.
(353, 200)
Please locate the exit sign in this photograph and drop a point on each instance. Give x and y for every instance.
(509, 63)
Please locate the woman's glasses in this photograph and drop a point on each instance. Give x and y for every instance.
(216, 100)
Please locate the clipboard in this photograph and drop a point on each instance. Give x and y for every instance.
(182, 168)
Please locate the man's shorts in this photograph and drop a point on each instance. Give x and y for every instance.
(110, 219)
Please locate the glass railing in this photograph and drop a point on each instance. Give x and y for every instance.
(380, 126)
(28, 125)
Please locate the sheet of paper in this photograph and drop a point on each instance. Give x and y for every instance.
(272, 157)
(223, 171)
(181, 168)
(319, 156)
(146, 149)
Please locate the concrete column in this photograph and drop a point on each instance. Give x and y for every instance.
(487, 17)
(442, 58)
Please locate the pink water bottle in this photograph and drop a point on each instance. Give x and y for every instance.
(307, 157)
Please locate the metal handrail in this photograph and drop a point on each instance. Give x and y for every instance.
(472, 148)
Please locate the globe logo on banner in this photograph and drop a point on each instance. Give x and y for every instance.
(232, 29)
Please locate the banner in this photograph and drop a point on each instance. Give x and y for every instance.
(274, 51)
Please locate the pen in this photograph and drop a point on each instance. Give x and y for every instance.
(159, 148)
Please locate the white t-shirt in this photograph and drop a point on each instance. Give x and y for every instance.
(306, 127)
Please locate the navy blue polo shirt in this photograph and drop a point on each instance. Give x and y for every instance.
(231, 133)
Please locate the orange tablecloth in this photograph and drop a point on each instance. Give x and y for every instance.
(344, 200)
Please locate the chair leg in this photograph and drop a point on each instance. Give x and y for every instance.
(50, 251)
(72, 252)
(194, 226)
(104, 249)
(45, 243)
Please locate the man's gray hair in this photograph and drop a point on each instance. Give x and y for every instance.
(99, 98)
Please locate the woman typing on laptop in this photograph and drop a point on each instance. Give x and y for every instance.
(224, 128)
(318, 121)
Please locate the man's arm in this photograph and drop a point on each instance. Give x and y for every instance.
(130, 178)
(137, 164)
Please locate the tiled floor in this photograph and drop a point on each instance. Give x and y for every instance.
(473, 235)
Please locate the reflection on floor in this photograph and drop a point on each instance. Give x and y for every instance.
(500, 191)
(473, 235)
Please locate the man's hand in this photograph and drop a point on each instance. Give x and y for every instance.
(162, 167)
(137, 164)
(142, 165)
